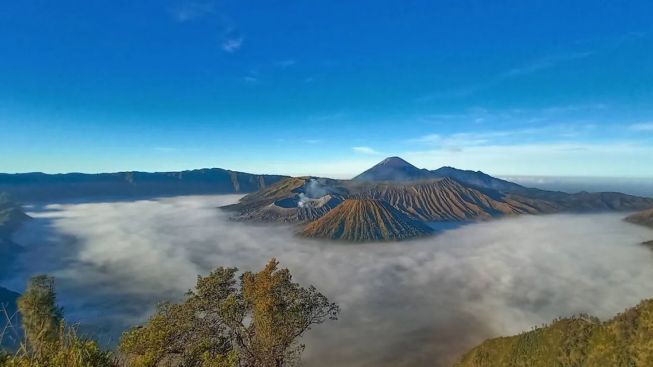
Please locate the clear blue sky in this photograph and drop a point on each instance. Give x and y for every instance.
(327, 87)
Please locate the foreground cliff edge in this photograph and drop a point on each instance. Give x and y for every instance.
(580, 341)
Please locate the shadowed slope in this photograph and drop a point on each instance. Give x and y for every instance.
(11, 217)
(360, 220)
(624, 341)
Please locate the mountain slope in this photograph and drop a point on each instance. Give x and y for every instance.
(11, 215)
(393, 169)
(29, 187)
(360, 220)
(644, 218)
(447, 199)
(624, 341)
(292, 200)
(477, 179)
(443, 199)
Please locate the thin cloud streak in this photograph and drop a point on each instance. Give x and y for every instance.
(366, 150)
(642, 127)
(535, 66)
(231, 45)
(190, 10)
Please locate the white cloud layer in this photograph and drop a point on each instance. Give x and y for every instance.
(403, 304)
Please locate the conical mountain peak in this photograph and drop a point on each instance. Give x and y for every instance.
(393, 169)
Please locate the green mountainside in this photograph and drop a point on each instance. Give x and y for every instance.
(624, 341)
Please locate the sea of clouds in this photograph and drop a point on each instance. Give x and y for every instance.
(421, 302)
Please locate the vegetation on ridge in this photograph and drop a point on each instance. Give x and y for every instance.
(254, 321)
(582, 341)
(225, 323)
(48, 341)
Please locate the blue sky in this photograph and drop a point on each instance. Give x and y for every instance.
(327, 87)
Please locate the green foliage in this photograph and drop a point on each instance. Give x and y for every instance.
(224, 323)
(582, 341)
(67, 350)
(48, 341)
(40, 315)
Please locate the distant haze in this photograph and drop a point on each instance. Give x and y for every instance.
(409, 303)
(627, 185)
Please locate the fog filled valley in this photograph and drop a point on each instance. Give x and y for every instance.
(418, 302)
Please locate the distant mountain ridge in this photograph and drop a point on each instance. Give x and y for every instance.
(30, 187)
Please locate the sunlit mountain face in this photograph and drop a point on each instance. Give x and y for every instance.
(368, 183)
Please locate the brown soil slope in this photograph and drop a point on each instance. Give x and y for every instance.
(447, 199)
(361, 220)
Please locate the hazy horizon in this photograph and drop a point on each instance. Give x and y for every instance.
(639, 186)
